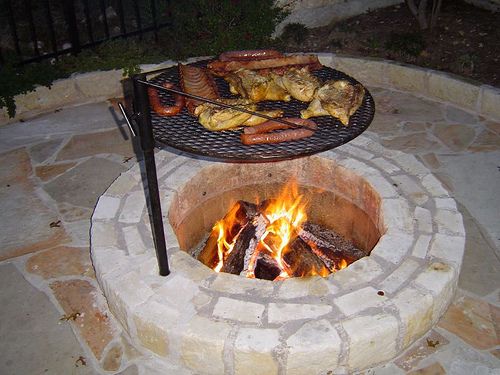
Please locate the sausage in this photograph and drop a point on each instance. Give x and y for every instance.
(221, 68)
(255, 54)
(277, 137)
(163, 110)
(271, 125)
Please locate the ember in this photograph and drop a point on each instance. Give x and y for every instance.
(273, 240)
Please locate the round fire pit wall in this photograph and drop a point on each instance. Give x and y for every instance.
(199, 321)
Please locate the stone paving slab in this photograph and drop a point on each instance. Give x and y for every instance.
(34, 340)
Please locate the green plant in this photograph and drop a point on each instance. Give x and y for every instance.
(15, 80)
(295, 32)
(406, 44)
(208, 27)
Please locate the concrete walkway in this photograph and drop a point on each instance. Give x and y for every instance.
(53, 168)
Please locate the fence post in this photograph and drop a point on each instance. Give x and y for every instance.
(69, 14)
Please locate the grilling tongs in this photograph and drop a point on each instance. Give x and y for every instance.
(206, 100)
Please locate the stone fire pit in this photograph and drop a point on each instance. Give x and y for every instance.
(213, 323)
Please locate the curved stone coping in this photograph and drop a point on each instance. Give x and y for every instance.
(99, 86)
(220, 323)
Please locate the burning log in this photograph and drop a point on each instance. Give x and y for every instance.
(239, 215)
(266, 267)
(245, 243)
(335, 252)
(272, 241)
(302, 261)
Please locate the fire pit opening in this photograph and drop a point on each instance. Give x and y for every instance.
(278, 220)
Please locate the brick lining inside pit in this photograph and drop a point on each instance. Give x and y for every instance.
(212, 323)
(345, 202)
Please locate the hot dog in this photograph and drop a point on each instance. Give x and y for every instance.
(271, 125)
(163, 110)
(245, 55)
(277, 137)
(221, 68)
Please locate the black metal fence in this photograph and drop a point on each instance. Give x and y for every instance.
(35, 30)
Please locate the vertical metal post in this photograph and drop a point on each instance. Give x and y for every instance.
(141, 100)
(69, 14)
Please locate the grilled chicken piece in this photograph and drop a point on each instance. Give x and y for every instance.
(339, 99)
(251, 85)
(215, 118)
(298, 82)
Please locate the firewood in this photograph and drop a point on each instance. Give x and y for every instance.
(329, 246)
(302, 261)
(267, 267)
(239, 214)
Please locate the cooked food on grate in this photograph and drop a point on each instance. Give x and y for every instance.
(215, 118)
(197, 81)
(298, 82)
(251, 85)
(221, 68)
(337, 98)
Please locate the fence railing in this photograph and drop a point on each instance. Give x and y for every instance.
(36, 30)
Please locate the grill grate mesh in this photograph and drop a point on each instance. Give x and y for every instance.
(185, 133)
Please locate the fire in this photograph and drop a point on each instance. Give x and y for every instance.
(284, 215)
(269, 237)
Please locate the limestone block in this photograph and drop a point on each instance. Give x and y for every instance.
(243, 311)
(235, 284)
(150, 323)
(355, 151)
(396, 214)
(393, 246)
(359, 300)
(424, 220)
(449, 222)
(369, 72)
(107, 259)
(106, 207)
(61, 92)
(186, 265)
(385, 165)
(401, 274)
(372, 340)
(302, 287)
(411, 189)
(453, 89)
(490, 101)
(421, 246)
(448, 248)
(382, 186)
(362, 271)
(408, 163)
(103, 234)
(446, 203)
(253, 351)
(440, 279)
(203, 343)
(316, 344)
(105, 84)
(133, 208)
(133, 240)
(284, 312)
(407, 78)
(177, 290)
(416, 317)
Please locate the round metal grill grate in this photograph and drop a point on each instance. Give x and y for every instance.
(185, 133)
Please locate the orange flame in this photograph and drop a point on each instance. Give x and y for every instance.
(285, 215)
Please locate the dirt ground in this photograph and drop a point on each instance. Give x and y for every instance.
(465, 41)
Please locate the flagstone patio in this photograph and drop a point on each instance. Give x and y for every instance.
(54, 167)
